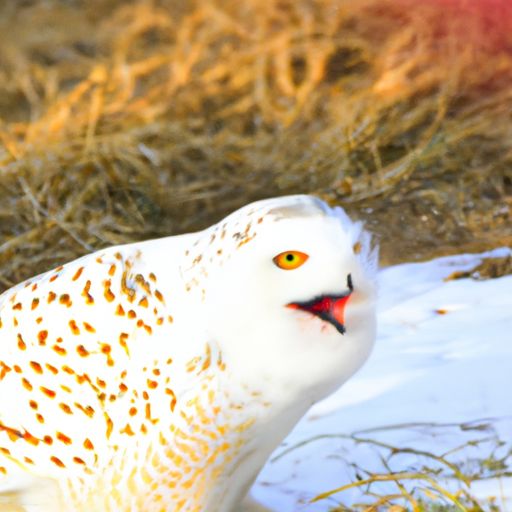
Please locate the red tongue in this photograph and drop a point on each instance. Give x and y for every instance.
(329, 306)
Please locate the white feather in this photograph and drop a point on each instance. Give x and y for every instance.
(161, 375)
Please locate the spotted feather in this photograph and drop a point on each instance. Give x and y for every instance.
(160, 375)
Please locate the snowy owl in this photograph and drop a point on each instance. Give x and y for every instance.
(159, 376)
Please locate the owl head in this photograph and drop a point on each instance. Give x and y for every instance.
(289, 295)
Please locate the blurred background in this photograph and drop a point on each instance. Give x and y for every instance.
(128, 119)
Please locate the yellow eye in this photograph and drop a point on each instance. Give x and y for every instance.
(290, 260)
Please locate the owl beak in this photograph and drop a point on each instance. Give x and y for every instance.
(330, 308)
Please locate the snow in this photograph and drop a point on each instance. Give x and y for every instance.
(439, 377)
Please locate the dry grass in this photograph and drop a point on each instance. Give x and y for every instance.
(148, 118)
(434, 469)
(489, 268)
(122, 120)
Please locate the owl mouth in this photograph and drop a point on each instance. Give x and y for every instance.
(328, 307)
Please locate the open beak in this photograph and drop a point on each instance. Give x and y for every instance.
(330, 308)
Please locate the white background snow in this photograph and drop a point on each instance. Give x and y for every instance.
(443, 358)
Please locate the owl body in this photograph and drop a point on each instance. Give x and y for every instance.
(160, 375)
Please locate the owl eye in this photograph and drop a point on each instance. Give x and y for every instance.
(290, 260)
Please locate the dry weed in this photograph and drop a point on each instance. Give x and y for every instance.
(434, 467)
(122, 120)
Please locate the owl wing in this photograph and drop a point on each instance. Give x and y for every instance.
(70, 341)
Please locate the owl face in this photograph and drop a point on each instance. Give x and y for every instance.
(296, 304)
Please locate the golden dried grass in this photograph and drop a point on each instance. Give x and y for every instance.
(421, 474)
(122, 120)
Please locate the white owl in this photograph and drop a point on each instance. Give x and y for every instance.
(159, 376)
